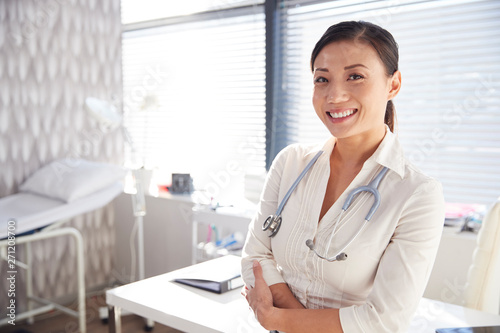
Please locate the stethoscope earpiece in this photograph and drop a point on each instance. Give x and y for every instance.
(341, 256)
(338, 257)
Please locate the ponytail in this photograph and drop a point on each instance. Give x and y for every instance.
(390, 115)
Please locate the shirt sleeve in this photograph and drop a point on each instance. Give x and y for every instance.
(258, 243)
(404, 268)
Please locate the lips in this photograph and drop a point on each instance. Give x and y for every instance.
(339, 114)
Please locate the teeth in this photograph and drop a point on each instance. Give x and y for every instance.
(341, 114)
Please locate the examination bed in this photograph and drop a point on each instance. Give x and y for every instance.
(48, 199)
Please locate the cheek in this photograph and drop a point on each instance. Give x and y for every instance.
(318, 107)
(372, 97)
(317, 98)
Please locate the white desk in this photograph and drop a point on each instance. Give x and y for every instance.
(193, 310)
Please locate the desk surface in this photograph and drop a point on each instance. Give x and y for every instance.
(193, 310)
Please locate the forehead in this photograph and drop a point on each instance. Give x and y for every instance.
(344, 53)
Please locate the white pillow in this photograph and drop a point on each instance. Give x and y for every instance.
(71, 179)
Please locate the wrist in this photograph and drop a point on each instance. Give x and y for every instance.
(283, 297)
(270, 319)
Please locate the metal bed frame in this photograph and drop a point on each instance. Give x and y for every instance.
(48, 232)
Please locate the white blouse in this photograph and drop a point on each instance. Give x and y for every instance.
(378, 287)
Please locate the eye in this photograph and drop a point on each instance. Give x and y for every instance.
(355, 77)
(320, 79)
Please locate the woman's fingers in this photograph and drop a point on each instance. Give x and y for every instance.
(244, 291)
(260, 297)
(257, 272)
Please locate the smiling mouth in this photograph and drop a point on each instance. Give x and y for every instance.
(344, 114)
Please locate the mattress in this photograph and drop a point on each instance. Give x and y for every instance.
(32, 212)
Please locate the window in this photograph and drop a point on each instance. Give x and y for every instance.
(194, 87)
(448, 110)
(194, 97)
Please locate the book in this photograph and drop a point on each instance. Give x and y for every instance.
(218, 275)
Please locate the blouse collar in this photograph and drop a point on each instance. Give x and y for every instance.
(388, 154)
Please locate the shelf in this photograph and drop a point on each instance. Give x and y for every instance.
(227, 221)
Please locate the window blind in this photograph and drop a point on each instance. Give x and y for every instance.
(448, 110)
(194, 98)
(134, 11)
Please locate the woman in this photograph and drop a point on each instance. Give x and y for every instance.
(378, 287)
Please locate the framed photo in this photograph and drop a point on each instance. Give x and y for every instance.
(181, 183)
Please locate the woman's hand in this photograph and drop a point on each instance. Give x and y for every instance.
(293, 318)
(260, 297)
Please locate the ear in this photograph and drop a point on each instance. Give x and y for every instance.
(394, 85)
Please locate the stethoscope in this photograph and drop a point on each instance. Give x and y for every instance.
(273, 222)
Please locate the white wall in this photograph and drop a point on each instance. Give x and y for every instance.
(449, 274)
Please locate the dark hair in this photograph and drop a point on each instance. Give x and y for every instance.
(380, 39)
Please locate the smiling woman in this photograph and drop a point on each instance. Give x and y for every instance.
(345, 94)
(367, 40)
(355, 79)
(376, 284)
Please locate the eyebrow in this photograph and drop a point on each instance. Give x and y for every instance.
(320, 69)
(354, 66)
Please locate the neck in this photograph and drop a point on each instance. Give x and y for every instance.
(352, 152)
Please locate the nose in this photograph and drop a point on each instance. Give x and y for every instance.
(336, 93)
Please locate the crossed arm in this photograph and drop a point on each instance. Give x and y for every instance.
(276, 308)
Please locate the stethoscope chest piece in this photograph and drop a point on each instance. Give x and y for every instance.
(273, 224)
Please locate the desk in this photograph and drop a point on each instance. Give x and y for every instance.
(193, 310)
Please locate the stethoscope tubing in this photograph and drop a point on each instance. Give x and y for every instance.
(372, 188)
(297, 181)
(273, 222)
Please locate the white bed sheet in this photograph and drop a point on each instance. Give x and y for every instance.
(31, 211)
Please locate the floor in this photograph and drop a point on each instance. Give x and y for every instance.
(57, 322)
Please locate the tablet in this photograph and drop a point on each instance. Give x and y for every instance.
(485, 329)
